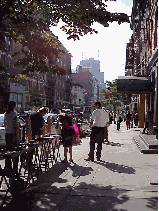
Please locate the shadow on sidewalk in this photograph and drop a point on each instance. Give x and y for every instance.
(41, 184)
(44, 184)
(83, 197)
(89, 198)
(113, 143)
(117, 167)
(76, 170)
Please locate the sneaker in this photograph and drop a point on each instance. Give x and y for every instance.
(71, 160)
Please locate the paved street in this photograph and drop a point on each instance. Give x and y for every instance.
(120, 181)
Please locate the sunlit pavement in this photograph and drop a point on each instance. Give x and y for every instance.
(120, 181)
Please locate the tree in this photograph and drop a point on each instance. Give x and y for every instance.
(27, 22)
(115, 100)
(36, 98)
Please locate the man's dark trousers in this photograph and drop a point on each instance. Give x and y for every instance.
(97, 136)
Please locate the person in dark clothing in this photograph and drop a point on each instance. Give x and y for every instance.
(136, 118)
(10, 120)
(37, 122)
(11, 125)
(110, 118)
(67, 133)
(132, 118)
(114, 118)
(128, 119)
(118, 118)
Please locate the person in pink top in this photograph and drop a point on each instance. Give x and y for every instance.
(75, 126)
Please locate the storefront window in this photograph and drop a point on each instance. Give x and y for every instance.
(11, 96)
(19, 98)
(15, 97)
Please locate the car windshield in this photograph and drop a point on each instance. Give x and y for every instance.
(1, 121)
(45, 117)
(52, 116)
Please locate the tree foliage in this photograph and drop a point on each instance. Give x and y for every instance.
(36, 98)
(115, 99)
(27, 22)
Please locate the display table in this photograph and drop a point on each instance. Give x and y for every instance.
(27, 161)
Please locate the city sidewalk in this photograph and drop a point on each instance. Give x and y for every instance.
(122, 180)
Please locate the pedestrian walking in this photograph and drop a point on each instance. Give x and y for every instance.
(132, 118)
(106, 128)
(77, 135)
(118, 118)
(147, 121)
(11, 124)
(99, 120)
(12, 133)
(123, 115)
(128, 119)
(38, 122)
(67, 133)
(110, 118)
(114, 117)
(136, 118)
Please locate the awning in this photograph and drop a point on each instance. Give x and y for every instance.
(134, 85)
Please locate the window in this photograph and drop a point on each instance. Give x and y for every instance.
(75, 96)
(11, 96)
(75, 88)
(15, 97)
(19, 105)
(20, 98)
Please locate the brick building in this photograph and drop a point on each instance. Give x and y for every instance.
(142, 59)
(39, 90)
(78, 96)
(94, 66)
(85, 78)
(63, 84)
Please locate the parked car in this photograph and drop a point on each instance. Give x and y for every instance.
(24, 114)
(55, 111)
(2, 130)
(52, 116)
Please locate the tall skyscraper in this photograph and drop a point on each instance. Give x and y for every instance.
(94, 66)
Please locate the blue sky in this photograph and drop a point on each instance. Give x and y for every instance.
(127, 2)
(110, 42)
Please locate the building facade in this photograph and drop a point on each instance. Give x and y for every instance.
(35, 93)
(63, 84)
(78, 96)
(40, 89)
(94, 66)
(85, 78)
(142, 57)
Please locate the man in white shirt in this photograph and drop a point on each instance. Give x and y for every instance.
(99, 120)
